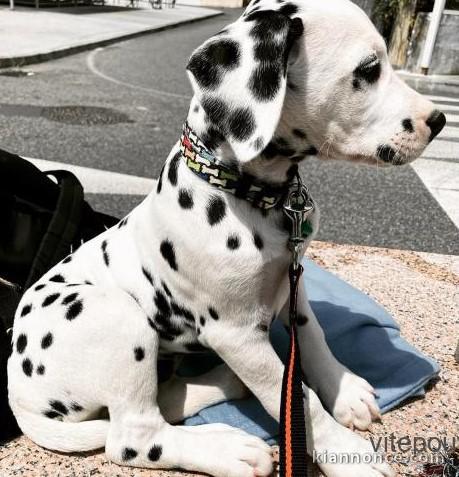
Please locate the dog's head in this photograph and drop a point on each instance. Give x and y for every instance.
(308, 77)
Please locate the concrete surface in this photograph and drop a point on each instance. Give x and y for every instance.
(419, 289)
(29, 35)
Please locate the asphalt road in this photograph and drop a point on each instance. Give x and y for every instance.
(121, 109)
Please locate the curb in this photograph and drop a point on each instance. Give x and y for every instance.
(19, 61)
(434, 84)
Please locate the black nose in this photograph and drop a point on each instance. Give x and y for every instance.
(436, 123)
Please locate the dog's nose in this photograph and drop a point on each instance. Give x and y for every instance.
(436, 122)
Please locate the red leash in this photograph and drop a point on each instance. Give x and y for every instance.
(293, 449)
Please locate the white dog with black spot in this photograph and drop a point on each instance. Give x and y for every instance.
(202, 262)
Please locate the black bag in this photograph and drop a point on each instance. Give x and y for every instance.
(41, 221)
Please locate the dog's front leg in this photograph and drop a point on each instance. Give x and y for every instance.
(249, 353)
(348, 397)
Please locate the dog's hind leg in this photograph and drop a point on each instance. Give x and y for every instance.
(182, 397)
(139, 436)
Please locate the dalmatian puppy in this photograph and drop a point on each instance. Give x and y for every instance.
(195, 268)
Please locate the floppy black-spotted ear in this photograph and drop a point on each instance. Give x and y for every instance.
(239, 77)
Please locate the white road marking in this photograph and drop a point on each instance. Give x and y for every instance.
(98, 181)
(91, 64)
(438, 168)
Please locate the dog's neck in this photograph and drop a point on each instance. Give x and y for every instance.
(275, 165)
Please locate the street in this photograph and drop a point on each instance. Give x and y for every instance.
(120, 108)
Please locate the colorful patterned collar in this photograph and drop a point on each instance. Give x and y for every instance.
(204, 164)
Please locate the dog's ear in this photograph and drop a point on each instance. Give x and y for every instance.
(239, 77)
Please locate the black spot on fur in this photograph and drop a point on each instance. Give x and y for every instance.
(47, 340)
(26, 310)
(267, 24)
(105, 253)
(67, 259)
(74, 310)
(233, 242)
(267, 51)
(262, 327)
(216, 210)
(139, 353)
(185, 199)
(59, 407)
(172, 173)
(69, 298)
(147, 275)
(50, 299)
(162, 304)
(40, 287)
(166, 289)
(52, 414)
(301, 320)
(196, 108)
(21, 343)
(128, 454)
(278, 147)
(258, 143)
(241, 123)
(299, 133)
(27, 367)
(87, 282)
(76, 407)
(40, 370)
(217, 112)
(202, 320)
(155, 453)
(212, 138)
(182, 311)
(209, 64)
(168, 253)
(289, 9)
(407, 125)
(57, 278)
(160, 180)
(213, 313)
(258, 241)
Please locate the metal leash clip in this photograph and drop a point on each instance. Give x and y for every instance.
(298, 206)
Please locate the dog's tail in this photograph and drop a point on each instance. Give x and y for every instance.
(63, 436)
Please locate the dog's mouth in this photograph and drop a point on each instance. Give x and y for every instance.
(384, 155)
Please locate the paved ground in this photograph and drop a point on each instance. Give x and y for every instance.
(121, 108)
(52, 32)
(419, 295)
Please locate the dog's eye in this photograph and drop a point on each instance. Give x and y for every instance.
(368, 70)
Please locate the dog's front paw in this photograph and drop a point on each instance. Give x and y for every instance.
(354, 405)
(345, 454)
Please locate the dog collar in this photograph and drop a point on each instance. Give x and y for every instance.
(205, 165)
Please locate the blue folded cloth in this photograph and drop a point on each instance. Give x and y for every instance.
(361, 334)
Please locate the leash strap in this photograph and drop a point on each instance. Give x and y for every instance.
(293, 450)
(293, 455)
